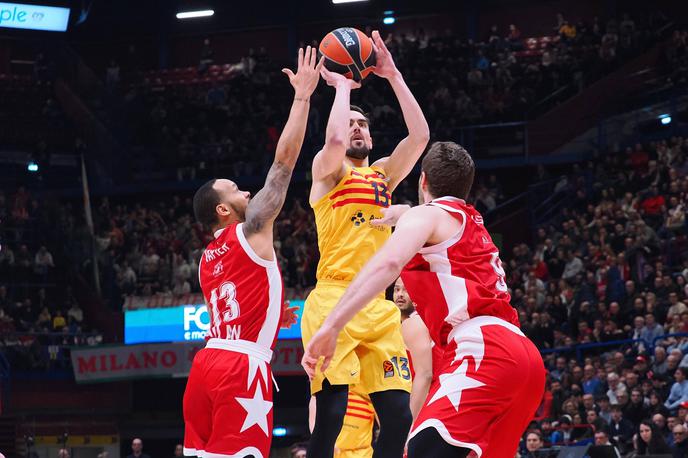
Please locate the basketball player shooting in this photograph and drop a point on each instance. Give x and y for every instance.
(228, 398)
(346, 195)
(491, 376)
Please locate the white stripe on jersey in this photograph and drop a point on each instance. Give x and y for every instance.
(273, 312)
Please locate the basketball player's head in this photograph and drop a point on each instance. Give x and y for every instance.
(219, 203)
(447, 170)
(360, 141)
(402, 299)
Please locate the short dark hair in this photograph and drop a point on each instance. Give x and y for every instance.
(204, 202)
(449, 170)
(360, 110)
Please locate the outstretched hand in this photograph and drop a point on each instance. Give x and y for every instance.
(289, 316)
(323, 345)
(305, 80)
(335, 79)
(390, 215)
(384, 65)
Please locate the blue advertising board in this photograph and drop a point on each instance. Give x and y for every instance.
(183, 323)
(33, 17)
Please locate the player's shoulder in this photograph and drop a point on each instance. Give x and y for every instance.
(380, 164)
(420, 212)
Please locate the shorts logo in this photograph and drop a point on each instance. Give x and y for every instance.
(388, 368)
(358, 218)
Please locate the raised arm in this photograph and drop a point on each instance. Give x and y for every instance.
(266, 205)
(330, 159)
(404, 157)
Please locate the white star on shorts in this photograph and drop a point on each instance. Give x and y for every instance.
(257, 410)
(453, 384)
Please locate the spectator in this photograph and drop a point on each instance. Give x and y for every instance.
(636, 411)
(298, 451)
(591, 383)
(137, 449)
(75, 313)
(573, 266)
(616, 387)
(659, 366)
(534, 443)
(59, 321)
(649, 441)
(63, 453)
(178, 451)
(679, 390)
(680, 447)
(621, 430)
(562, 436)
(43, 261)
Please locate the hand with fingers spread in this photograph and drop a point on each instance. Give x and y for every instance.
(384, 66)
(390, 215)
(305, 80)
(322, 345)
(335, 79)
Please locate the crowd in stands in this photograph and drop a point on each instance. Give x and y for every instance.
(189, 126)
(612, 266)
(38, 313)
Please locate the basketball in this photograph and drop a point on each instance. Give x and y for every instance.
(348, 51)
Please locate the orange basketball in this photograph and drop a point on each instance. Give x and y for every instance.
(348, 51)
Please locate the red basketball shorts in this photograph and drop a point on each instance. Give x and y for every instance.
(490, 384)
(228, 401)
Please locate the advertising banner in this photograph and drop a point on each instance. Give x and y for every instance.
(183, 323)
(108, 363)
(33, 17)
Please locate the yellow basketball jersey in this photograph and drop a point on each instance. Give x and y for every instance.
(346, 238)
(357, 431)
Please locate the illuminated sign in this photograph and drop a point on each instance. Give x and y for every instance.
(183, 323)
(33, 17)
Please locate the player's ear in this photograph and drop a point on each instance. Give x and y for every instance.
(223, 210)
(423, 181)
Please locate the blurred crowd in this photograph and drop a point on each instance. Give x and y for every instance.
(189, 127)
(39, 314)
(612, 267)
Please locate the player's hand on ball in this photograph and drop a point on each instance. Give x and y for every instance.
(390, 215)
(335, 79)
(384, 66)
(307, 72)
(322, 345)
(289, 316)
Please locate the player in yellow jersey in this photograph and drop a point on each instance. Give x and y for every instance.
(346, 195)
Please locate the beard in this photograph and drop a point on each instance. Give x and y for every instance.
(239, 212)
(358, 153)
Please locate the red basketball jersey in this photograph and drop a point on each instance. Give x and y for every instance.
(460, 278)
(243, 291)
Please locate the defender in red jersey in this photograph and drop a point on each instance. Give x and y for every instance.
(491, 377)
(228, 397)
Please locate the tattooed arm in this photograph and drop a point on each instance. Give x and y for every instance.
(266, 205)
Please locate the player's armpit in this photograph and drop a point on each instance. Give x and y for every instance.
(265, 206)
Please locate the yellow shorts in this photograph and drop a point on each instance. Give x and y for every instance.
(358, 453)
(355, 440)
(370, 349)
